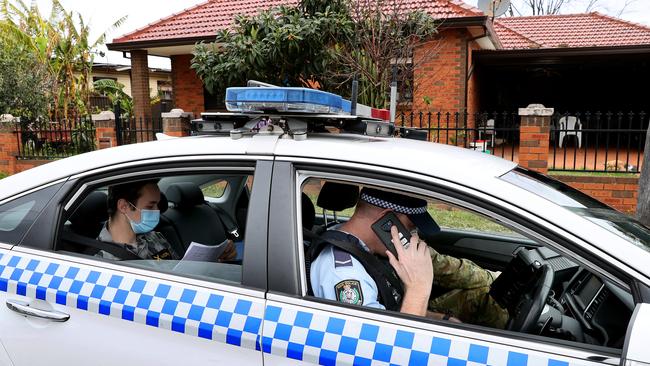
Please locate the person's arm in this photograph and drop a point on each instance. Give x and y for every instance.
(455, 273)
(415, 270)
(346, 281)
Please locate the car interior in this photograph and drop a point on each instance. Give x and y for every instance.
(203, 208)
(544, 292)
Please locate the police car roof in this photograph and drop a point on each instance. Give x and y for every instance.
(443, 161)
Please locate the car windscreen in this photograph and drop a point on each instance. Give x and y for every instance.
(557, 192)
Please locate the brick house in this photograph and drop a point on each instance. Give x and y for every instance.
(563, 61)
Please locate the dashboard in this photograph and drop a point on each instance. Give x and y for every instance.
(601, 308)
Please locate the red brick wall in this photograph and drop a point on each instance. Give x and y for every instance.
(8, 148)
(140, 84)
(188, 88)
(22, 165)
(441, 71)
(618, 192)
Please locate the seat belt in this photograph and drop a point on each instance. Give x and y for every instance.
(115, 249)
(385, 278)
(228, 222)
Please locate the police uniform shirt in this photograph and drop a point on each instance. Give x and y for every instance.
(152, 245)
(337, 275)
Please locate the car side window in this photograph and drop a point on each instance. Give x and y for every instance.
(486, 272)
(162, 223)
(16, 216)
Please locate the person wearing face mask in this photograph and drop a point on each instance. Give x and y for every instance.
(133, 214)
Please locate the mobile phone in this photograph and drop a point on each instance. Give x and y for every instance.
(382, 227)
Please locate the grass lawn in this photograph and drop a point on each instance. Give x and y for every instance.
(593, 174)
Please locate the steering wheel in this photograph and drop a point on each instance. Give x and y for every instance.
(531, 303)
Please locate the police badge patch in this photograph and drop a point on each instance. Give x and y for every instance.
(349, 292)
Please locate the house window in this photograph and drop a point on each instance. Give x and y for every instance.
(165, 90)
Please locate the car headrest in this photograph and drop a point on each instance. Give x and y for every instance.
(336, 196)
(88, 218)
(163, 204)
(308, 212)
(185, 195)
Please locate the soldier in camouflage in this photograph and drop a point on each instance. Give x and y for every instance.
(468, 288)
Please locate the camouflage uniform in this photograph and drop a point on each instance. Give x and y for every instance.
(468, 297)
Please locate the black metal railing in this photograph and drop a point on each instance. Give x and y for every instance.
(53, 140)
(598, 141)
(495, 133)
(131, 130)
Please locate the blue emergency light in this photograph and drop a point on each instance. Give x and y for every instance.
(282, 100)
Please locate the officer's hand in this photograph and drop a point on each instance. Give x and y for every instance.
(229, 253)
(413, 265)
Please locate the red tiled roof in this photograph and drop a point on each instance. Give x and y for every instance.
(575, 30)
(206, 19)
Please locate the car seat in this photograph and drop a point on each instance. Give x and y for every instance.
(335, 196)
(191, 217)
(91, 215)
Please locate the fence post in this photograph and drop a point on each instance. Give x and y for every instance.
(534, 137)
(9, 148)
(105, 135)
(176, 123)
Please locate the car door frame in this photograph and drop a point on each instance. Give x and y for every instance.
(251, 291)
(283, 293)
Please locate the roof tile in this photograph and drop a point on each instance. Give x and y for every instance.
(572, 30)
(206, 19)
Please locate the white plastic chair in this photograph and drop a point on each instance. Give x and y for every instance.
(569, 125)
(488, 129)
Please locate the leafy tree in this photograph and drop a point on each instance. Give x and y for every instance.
(318, 43)
(115, 93)
(61, 43)
(24, 84)
(283, 46)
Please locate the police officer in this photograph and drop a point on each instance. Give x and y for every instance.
(344, 268)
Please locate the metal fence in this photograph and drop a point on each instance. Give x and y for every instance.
(495, 133)
(131, 130)
(598, 141)
(54, 140)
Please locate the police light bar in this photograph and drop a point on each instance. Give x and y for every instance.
(282, 100)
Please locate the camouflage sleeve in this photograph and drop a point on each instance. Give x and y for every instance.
(454, 273)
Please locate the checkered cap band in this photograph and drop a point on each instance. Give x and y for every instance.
(393, 206)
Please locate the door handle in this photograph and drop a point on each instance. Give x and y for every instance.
(24, 308)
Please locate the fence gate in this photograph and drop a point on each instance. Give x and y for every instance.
(130, 130)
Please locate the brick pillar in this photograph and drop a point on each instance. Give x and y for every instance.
(176, 123)
(187, 87)
(534, 137)
(9, 148)
(140, 84)
(105, 136)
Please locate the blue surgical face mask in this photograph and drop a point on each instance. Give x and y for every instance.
(148, 221)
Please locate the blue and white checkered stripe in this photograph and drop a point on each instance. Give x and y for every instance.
(321, 338)
(206, 314)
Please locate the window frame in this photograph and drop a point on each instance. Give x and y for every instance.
(448, 192)
(78, 187)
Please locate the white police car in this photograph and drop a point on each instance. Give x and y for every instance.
(66, 306)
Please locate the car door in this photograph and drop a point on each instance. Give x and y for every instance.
(66, 308)
(300, 329)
